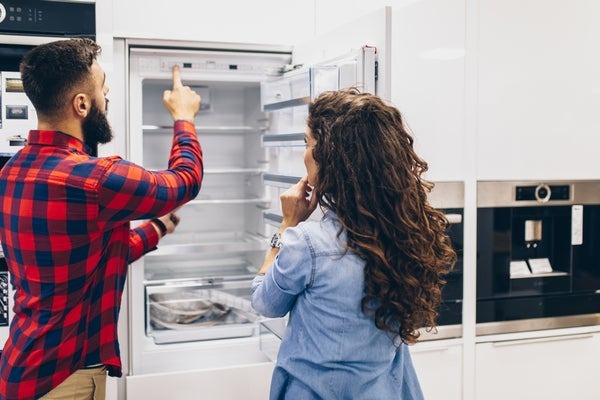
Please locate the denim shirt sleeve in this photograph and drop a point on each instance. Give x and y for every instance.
(275, 293)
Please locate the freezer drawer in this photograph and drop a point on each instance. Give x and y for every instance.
(192, 310)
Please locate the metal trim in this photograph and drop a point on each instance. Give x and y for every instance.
(502, 193)
(286, 104)
(535, 324)
(447, 195)
(441, 332)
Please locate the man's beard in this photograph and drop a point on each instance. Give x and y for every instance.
(96, 129)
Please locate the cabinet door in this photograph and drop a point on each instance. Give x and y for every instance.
(250, 382)
(552, 368)
(439, 368)
(538, 95)
(266, 21)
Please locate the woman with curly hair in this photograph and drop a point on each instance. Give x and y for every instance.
(359, 283)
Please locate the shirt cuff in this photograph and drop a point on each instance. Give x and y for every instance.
(182, 125)
(151, 235)
(258, 280)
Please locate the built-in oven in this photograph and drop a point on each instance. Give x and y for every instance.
(538, 255)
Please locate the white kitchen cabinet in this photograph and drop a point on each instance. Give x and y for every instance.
(428, 74)
(428, 82)
(439, 367)
(265, 22)
(548, 368)
(539, 89)
(249, 382)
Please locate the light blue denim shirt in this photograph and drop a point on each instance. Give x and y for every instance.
(330, 349)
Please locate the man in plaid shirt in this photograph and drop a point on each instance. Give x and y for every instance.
(64, 223)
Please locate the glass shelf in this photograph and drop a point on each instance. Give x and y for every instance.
(210, 242)
(197, 201)
(206, 129)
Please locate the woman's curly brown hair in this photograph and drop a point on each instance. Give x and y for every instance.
(370, 176)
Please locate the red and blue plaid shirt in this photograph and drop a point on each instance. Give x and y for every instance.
(64, 228)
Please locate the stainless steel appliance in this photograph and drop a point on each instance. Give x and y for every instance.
(448, 197)
(17, 115)
(189, 301)
(538, 255)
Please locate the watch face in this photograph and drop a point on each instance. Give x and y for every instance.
(276, 241)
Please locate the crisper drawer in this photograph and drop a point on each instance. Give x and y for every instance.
(298, 87)
(194, 310)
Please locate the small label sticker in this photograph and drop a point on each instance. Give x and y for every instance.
(577, 225)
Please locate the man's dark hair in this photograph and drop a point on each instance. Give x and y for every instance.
(50, 71)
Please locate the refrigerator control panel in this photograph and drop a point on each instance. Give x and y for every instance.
(234, 64)
(200, 65)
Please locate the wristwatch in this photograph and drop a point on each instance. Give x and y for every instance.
(276, 241)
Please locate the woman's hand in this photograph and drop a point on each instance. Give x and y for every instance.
(297, 203)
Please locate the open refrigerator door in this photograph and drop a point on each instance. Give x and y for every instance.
(346, 57)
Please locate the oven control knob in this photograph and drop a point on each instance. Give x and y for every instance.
(542, 193)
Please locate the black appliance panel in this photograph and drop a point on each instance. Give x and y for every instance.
(501, 239)
(450, 311)
(586, 257)
(47, 18)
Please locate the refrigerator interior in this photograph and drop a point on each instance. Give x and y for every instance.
(192, 294)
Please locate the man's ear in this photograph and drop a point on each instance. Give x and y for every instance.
(81, 105)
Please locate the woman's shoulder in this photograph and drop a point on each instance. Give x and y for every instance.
(325, 235)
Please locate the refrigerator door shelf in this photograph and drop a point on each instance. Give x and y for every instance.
(280, 181)
(272, 218)
(298, 87)
(284, 140)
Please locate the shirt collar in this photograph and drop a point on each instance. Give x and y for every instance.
(329, 215)
(56, 138)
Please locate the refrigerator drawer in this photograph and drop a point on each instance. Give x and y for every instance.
(299, 87)
(196, 310)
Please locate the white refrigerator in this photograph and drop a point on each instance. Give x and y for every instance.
(188, 322)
